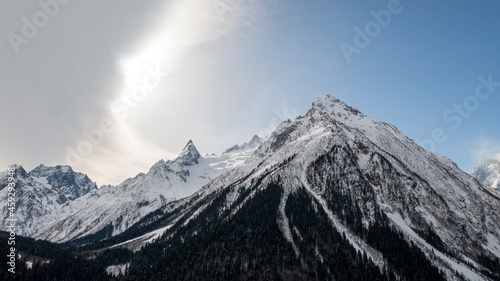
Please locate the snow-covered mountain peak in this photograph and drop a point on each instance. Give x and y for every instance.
(43, 170)
(255, 142)
(336, 109)
(62, 177)
(328, 99)
(189, 155)
(20, 171)
(41, 192)
(488, 173)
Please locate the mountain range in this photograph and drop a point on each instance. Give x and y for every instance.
(332, 195)
(71, 206)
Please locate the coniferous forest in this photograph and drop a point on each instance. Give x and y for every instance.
(250, 246)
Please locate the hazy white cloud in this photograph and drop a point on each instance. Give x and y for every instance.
(168, 49)
(485, 148)
(61, 79)
(68, 78)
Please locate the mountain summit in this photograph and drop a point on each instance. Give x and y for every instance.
(255, 142)
(41, 192)
(189, 155)
(333, 195)
(331, 104)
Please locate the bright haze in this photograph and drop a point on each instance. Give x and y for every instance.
(111, 87)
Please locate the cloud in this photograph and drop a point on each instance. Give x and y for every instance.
(59, 82)
(87, 57)
(485, 148)
(168, 46)
(120, 155)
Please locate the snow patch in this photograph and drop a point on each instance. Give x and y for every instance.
(493, 245)
(284, 224)
(116, 270)
(455, 265)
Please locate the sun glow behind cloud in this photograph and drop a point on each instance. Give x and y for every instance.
(183, 26)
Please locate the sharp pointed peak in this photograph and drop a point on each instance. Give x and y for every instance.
(39, 168)
(255, 141)
(256, 137)
(190, 142)
(190, 147)
(189, 155)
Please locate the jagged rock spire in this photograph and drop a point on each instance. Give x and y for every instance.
(189, 155)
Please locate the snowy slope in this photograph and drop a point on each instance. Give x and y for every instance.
(334, 153)
(125, 204)
(488, 173)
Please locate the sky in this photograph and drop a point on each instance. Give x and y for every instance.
(111, 87)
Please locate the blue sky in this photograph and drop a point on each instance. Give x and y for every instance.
(228, 69)
(426, 60)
